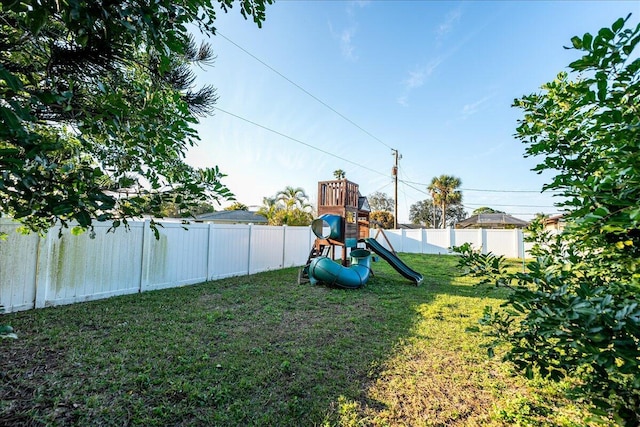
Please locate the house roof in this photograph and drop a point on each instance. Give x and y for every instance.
(554, 219)
(363, 203)
(239, 216)
(494, 220)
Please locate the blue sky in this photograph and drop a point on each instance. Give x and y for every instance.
(433, 79)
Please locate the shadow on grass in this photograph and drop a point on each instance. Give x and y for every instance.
(252, 350)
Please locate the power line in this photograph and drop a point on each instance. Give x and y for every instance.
(483, 190)
(407, 183)
(504, 205)
(300, 142)
(469, 205)
(500, 191)
(303, 89)
(383, 187)
(536, 213)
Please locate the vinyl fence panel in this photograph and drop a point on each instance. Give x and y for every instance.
(177, 258)
(18, 256)
(437, 241)
(394, 238)
(502, 242)
(297, 245)
(412, 241)
(473, 237)
(228, 250)
(81, 268)
(267, 248)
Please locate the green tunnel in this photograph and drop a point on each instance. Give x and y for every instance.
(328, 226)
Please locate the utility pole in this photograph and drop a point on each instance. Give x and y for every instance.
(394, 172)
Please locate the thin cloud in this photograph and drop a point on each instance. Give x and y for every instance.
(346, 43)
(403, 100)
(474, 107)
(470, 109)
(416, 79)
(352, 5)
(452, 18)
(346, 36)
(345, 40)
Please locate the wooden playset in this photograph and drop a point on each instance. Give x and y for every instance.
(342, 198)
(343, 221)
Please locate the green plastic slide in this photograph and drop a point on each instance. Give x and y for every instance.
(395, 262)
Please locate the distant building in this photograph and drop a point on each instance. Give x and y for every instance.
(492, 220)
(232, 217)
(555, 222)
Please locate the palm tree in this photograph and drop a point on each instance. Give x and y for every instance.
(444, 192)
(269, 209)
(293, 198)
(339, 174)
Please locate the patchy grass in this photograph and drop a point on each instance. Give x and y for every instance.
(262, 350)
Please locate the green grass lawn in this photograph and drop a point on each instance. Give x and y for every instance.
(263, 350)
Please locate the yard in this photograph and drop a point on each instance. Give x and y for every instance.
(262, 350)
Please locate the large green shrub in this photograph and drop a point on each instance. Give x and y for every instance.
(575, 312)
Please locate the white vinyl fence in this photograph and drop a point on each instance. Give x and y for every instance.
(508, 243)
(37, 272)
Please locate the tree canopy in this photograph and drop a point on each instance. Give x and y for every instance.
(379, 201)
(425, 213)
(485, 210)
(382, 219)
(102, 92)
(237, 206)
